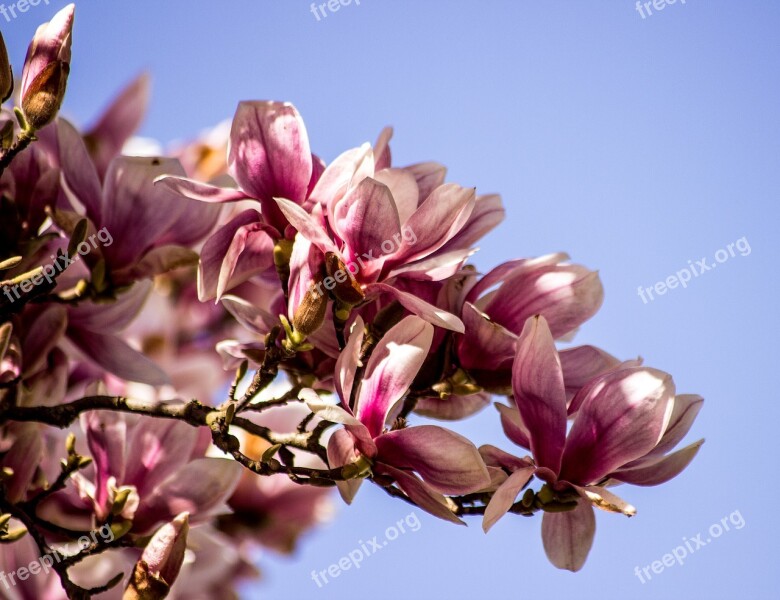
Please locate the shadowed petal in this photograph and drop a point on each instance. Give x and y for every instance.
(658, 469)
(421, 308)
(568, 536)
(452, 408)
(537, 383)
(24, 457)
(116, 357)
(445, 460)
(686, 408)
(197, 190)
(513, 426)
(622, 418)
(342, 451)
(438, 219)
(422, 495)
(199, 488)
(349, 361)
(119, 121)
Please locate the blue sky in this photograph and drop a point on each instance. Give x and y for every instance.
(634, 144)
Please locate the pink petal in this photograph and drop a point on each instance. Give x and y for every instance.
(429, 176)
(365, 218)
(485, 345)
(503, 271)
(390, 371)
(445, 460)
(442, 215)
(537, 383)
(452, 408)
(353, 165)
(197, 190)
(43, 334)
(200, 488)
(404, 189)
(568, 536)
(78, 171)
(106, 438)
(487, 215)
(566, 296)
(621, 419)
(513, 426)
(583, 363)
(306, 225)
(118, 122)
(342, 451)
(248, 254)
(686, 408)
(422, 495)
(158, 448)
(658, 469)
(504, 497)
(116, 357)
(24, 457)
(435, 316)
(348, 362)
(213, 255)
(135, 211)
(52, 42)
(497, 458)
(382, 149)
(269, 151)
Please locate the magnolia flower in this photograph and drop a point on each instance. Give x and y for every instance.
(151, 228)
(425, 461)
(624, 423)
(566, 295)
(147, 471)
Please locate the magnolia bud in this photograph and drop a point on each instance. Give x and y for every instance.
(44, 97)
(345, 286)
(46, 69)
(6, 73)
(159, 565)
(311, 312)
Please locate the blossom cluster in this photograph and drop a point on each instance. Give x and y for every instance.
(264, 327)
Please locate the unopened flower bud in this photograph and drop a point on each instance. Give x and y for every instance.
(310, 314)
(160, 563)
(344, 286)
(46, 69)
(6, 73)
(44, 97)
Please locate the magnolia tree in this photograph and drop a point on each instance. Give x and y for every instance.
(194, 349)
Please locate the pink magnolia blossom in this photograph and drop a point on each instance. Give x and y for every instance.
(624, 423)
(425, 461)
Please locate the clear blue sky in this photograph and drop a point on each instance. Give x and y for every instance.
(634, 144)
